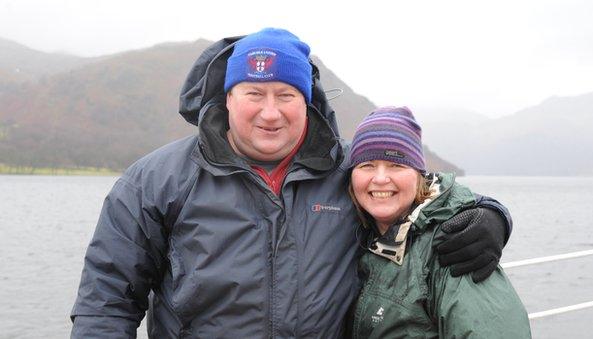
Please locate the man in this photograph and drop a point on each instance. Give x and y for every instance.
(245, 230)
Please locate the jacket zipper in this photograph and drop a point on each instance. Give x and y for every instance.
(272, 288)
(274, 250)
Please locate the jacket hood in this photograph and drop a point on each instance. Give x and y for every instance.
(204, 85)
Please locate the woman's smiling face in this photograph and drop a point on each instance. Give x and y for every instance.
(385, 190)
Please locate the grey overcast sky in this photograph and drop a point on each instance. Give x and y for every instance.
(492, 57)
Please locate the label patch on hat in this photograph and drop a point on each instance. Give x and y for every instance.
(261, 64)
(394, 153)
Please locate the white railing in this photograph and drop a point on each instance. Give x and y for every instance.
(548, 259)
(560, 310)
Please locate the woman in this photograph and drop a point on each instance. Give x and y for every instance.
(405, 292)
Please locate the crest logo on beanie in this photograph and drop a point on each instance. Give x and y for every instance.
(271, 54)
(261, 64)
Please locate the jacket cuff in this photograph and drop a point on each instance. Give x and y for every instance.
(493, 204)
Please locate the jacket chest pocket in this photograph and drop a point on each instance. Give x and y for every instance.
(380, 315)
(216, 266)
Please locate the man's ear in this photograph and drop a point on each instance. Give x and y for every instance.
(228, 98)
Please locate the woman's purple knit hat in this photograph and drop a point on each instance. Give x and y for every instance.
(391, 134)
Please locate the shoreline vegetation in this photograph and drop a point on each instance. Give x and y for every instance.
(27, 170)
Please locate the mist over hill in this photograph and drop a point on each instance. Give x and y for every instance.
(66, 111)
(19, 63)
(553, 138)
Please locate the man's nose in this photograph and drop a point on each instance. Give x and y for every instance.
(270, 109)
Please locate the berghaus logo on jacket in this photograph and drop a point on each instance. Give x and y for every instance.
(325, 208)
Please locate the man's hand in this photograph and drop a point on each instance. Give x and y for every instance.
(474, 243)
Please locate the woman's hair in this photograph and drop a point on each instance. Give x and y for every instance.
(422, 193)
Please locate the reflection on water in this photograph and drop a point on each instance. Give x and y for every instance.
(47, 222)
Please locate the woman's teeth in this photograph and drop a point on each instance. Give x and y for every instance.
(382, 194)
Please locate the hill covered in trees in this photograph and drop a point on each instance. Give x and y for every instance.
(62, 111)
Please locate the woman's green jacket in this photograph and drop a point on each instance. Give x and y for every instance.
(419, 298)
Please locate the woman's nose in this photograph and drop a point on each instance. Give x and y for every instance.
(380, 176)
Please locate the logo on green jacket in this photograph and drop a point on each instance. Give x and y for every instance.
(378, 317)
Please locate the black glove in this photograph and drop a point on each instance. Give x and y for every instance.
(474, 243)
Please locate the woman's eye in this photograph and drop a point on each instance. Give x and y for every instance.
(398, 166)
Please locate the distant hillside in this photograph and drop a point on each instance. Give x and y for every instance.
(552, 138)
(109, 111)
(19, 63)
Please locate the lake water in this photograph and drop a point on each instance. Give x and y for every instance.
(47, 222)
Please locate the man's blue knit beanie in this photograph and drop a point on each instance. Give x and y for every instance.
(270, 55)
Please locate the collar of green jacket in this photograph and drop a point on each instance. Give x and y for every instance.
(435, 210)
(448, 200)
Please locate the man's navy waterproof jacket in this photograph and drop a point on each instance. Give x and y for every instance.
(224, 256)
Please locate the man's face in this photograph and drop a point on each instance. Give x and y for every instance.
(266, 119)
